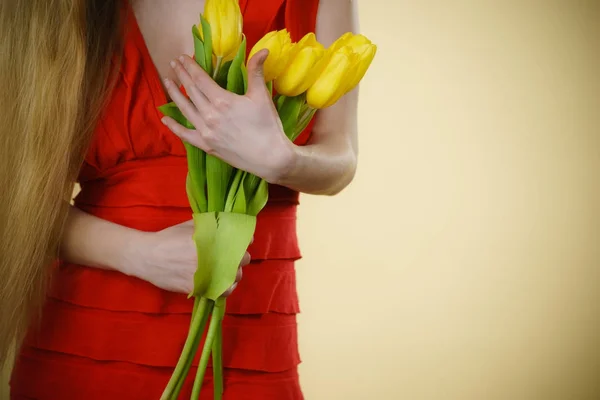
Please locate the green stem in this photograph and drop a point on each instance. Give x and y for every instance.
(206, 350)
(303, 122)
(190, 359)
(217, 68)
(217, 350)
(234, 187)
(187, 349)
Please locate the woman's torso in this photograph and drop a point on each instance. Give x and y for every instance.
(134, 175)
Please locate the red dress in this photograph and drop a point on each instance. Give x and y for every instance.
(104, 335)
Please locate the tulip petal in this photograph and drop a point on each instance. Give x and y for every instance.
(341, 41)
(357, 40)
(225, 19)
(279, 45)
(309, 40)
(297, 77)
(365, 59)
(325, 91)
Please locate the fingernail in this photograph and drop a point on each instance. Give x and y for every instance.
(181, 58)
(167, 81)
(163, 120)
(173, 64)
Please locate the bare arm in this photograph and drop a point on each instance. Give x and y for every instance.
(166, 259)
(326, 165)
(92, 241)
(245, 131)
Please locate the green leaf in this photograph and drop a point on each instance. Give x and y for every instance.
(235, 76)
(171, 110)
(196, 188)
(306, 116)
(222, 74)
(221, 241)
(278, 100)
(233, 188)
(259, 200)
(191, 195)
(199, 50)
(289, 112)
(245, 76)
(197, 169)
(218, 175)
(205, 236)
(251, 184)
(239, 203)
(208, 47)
(234, 233)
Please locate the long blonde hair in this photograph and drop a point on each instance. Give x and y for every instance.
(56, 58)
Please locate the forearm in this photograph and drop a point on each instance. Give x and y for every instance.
(324, 168)
(327, 164)
(92, 241)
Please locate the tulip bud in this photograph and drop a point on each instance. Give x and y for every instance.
(225, 19)
(279, 45)
(348, 59)
(365, 53)
(302, 70)
(349, 39)
(331, 83)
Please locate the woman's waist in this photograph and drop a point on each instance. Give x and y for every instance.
(158, 185)
(267, 286)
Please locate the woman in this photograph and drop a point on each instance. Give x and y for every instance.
(111, 322)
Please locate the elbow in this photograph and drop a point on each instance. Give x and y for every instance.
(345, 178)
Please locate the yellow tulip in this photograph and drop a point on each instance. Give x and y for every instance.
(303, 69)
(366, 54)
(279, 45)
(225, 19)
(346, 63)
(331, 83)
(349, 39)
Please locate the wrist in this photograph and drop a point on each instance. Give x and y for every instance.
(130, 261)
(286, 164)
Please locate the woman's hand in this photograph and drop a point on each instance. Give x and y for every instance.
(244, 131)
(168, 259)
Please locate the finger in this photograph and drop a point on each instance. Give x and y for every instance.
(187, 135)
(187, 108)
(202, 80)
(245, 260)
(238, 276)
(230, 290)
(256, 75)
(198, 98)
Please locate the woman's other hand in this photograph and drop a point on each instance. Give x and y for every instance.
(168, 259)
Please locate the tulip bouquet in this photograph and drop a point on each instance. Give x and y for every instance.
(225, 201)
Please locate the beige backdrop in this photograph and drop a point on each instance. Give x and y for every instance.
(464, 262)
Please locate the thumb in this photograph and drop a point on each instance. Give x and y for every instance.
(256, 73)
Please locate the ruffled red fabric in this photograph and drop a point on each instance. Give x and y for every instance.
(84, 378)
(107, 335)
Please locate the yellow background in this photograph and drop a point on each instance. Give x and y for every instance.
(463, 263)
